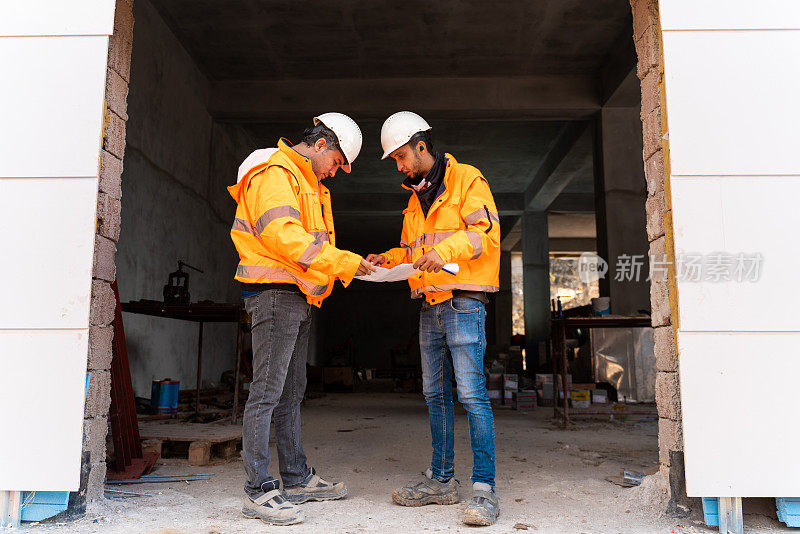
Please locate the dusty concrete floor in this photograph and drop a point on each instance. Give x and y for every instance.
(548, 480)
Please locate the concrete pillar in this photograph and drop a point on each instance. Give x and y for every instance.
(621, 218)
(503, 320)
(536, 284)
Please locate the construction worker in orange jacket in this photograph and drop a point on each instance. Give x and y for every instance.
(283, 232)
(451, 218)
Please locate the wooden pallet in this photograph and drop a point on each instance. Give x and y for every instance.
(196, 441)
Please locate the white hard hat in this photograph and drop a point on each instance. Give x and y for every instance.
(399, 128)
(348, 133)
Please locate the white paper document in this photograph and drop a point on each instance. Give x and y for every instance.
(404, 271)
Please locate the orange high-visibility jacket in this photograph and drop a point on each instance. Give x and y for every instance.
(283, 230)
(462, 226)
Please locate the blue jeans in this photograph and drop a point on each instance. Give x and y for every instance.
(281, 324)
(452, 341)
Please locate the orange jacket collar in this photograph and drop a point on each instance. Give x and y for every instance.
(302, 162)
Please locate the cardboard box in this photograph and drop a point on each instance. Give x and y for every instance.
(600, 396)
(547, 391)
(494, 381)
(548, 379)
(510, 382)
(580, 395)
(338, 376)
(524, 400)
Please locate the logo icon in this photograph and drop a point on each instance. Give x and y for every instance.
(591, 267)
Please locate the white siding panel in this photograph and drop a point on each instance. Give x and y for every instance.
(739, 405)
(56, 17)
(42, 387)
(47, 228)
(732, 102)
(51, 105)
(729, 14)
(731, 215)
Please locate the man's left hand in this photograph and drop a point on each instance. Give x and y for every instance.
(430, 262)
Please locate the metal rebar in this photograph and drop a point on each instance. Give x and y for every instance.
(155, 480)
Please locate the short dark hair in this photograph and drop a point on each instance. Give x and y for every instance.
(425, 137)
(320, 131)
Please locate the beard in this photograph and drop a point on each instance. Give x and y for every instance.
(416, 171)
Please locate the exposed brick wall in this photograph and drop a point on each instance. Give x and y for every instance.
(95, 425)
(646, 30)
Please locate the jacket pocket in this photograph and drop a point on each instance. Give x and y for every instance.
(311, 211)
(448, 215)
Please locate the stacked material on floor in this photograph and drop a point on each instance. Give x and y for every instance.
(510, 386)
(599, 396)
(494, 388)
(580, 398)
(524, 400)
(544, 387)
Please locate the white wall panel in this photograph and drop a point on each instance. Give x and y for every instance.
(42, 387)
(731, 215)
(732, 102)
(47, 228)
(51, 104)
(729, 14)
(56, 17)
(739, 404)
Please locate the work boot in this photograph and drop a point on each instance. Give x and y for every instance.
(315, 489)
(483, 508)
(272, 508)
(427, 491)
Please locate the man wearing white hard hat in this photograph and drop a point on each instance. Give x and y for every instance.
(451, 218)
(283, 232)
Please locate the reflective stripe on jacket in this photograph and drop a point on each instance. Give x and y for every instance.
(462, 226)
(283, 230)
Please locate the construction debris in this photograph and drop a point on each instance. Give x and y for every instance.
(162, 478)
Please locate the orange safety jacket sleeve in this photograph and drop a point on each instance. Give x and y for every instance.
(401, 254)
(482, 235)
(277, 221)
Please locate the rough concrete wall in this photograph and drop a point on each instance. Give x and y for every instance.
(647, 38)
(95, 426)
(177, 165)
(621, 229)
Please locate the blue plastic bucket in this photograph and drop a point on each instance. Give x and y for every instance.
(164, 395)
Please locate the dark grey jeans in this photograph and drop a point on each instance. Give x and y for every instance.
(281, 323)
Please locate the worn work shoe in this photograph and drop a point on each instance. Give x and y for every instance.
(483, 508)
(272, 508)
(427, 491)
(315, 489)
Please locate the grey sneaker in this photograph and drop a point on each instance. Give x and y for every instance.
(483, 508)
(315, 489)
(272, 508)
(427, 491)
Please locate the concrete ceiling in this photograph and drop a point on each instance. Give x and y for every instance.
(274, 39)
(571, 225)
(501, 82)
